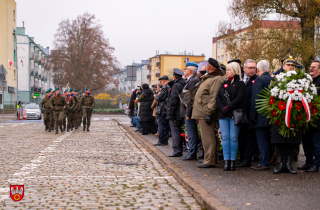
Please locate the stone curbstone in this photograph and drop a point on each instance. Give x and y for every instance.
(196, 190)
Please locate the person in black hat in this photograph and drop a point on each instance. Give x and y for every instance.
(146, 119)
(161, 112)
(173, 112)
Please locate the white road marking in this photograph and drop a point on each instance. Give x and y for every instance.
(95, 118)
(129, 177)
(105, 118)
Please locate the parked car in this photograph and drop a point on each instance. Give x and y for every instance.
(32, 111)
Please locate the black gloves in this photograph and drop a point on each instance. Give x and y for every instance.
(42, 111)
(90, 110)
(52, 110)
(224, 110)
(74, 110)
(70, 110)
(208, 119)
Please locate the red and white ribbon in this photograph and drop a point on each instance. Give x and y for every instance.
(290, 103)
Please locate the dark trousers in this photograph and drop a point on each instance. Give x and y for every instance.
(192, 132)
(176, 130)
(311, 146)
(285, 149)
(264, 140)
(247, 144)
(149, 127)
(163, 129)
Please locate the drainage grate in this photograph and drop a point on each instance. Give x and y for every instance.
(122, 163)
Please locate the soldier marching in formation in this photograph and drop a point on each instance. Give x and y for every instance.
(70, 107)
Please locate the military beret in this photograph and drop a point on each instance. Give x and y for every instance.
(191, 64)
(66, 90)
(235, 60)
(75, 91)
(87, 88)
(289, 60)
(50, 89)
(164, 77)
(57, 89)
(214, 63)
(71, 90)
(177, 72)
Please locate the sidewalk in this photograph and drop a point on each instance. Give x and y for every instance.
(248, 189)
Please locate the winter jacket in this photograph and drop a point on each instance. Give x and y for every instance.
(131, 103)
(247, 96)
(87, 102)
(205, 102)
(77, 101)
(191, 83)
(162, 100)
(71, 103)
(58, 102)
(276, 138)
(173, 100)
(258, 120)
(45, 103)
(146, 101)
(236, 90)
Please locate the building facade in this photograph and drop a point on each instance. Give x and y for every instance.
(163, 64)
(8, 52)
(33, 75)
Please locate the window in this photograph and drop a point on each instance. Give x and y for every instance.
(186, 60)
(14, 55)
(222, 58)
(222, 44)
(226, 57)
(230, 58)
(218, 58)
(14, 15)
(218, 44)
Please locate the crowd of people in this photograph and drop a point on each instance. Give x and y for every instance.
(201, 100)
(66, 111)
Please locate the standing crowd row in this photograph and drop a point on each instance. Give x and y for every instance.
(198, 100)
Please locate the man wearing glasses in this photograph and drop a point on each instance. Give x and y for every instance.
(311, 140)
(247, 139)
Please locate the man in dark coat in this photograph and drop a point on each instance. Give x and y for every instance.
(173, 112)
(147, 120)
(131, 106)
(161, 112)
(247, 138)
(311, 141)
(186, 112)
(258, 121)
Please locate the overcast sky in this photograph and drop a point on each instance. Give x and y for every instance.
(135, 28)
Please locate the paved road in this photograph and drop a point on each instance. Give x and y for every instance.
(101, 169)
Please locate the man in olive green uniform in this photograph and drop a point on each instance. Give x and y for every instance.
(75, 113)
(46, 110)
(87, 104)
(68, 112)
(80, 110)
(57, 102)
(51, 116)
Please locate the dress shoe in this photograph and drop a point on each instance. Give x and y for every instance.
(49, 130)
(71, 129)
(313, 169)
(243, 164)
(76, 127)
(288, 166)
(61, 130)
(253, 167)
(201, 161)
(226, 166)
(88, 129)
(175, 154)
(261, 168)
(202, 165)
(138, 130)
(52, 128)
(159, 144)
(279, 168)
(304, 167)
(46, 128)
(189, 158)
(232, 165)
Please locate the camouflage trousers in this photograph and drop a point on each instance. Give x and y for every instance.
(86, 117)
(79, 118)
(58, 118)
(47, 119)
(69, 119)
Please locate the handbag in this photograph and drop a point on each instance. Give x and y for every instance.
(239, 115)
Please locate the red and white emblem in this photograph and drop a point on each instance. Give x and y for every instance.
(16, 192)
(225, 85)
(252, 81)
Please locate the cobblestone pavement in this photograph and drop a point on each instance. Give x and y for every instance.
(101, 169)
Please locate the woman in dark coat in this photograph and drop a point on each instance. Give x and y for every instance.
(235, 88)
(146, 113)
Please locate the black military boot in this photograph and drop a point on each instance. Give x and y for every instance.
(52, 128)
(232, 165)
(226, 165)
(49, 130)
(288, 165)
(88, 129)
(67, 130)
(84, 128)
(279, 168)
(71, 128)
(61, 129)
(46, 128)
(56, 131)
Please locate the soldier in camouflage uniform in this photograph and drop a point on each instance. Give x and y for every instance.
(68, 112)
(80, 110)
(87, 104)
(57, 102)
(51, 118)
(46, 110)
(75, 111)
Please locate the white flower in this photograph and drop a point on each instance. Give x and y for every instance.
(309, 100)
(296, 92)
(296, 98)
(279, 84)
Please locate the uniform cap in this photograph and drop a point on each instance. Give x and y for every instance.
(71, 90)
(191, 64)
(57, 89)
(289, 60)
(177, 72)
(75, 91)
(164, 77)
(87, 88)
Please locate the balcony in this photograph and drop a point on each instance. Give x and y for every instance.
(31, 55)
(36, 74)
(32, 88)
(158, 64)
(31, 74)
(39, 76)
(148, 76)
(149, 67)
(158, 75)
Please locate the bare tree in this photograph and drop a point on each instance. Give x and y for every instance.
(83, 54)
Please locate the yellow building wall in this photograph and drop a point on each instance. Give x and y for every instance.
(170, 62)
(7, 25)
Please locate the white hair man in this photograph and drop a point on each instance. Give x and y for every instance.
(247, 142)
(258, 121)
(190, 73)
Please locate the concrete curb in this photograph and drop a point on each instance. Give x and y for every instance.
(197, 191)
